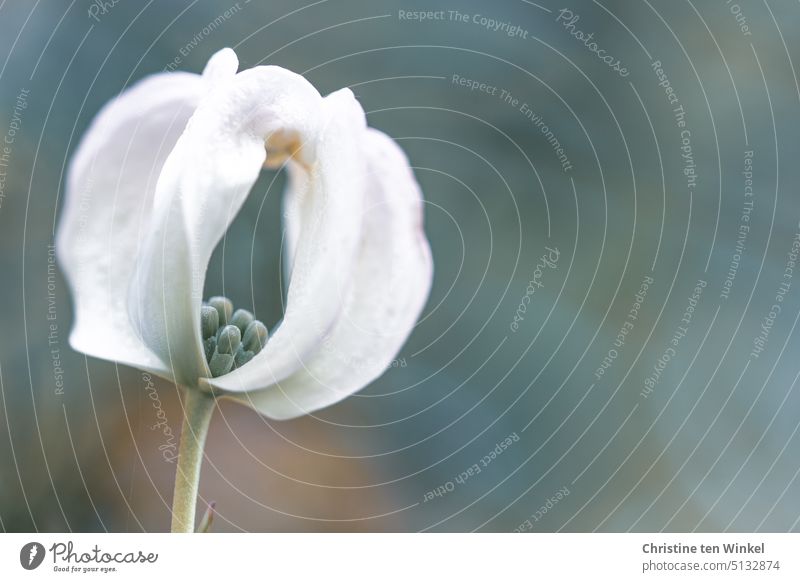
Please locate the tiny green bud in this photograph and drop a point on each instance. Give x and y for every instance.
(242, 357)
(255, 336)
(220, 364)
(224, 308)
(229, 339)
(209, 321)
(241, 319)
(210, 346)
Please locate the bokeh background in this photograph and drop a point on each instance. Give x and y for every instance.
(702, 437)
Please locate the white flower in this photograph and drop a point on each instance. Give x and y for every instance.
(160, 175)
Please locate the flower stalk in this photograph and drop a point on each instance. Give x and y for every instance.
(198, 407)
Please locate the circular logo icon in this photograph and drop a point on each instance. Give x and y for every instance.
(31, 555)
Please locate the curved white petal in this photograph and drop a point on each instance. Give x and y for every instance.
(203, 184)
(389, 285)
(328, 174)
(108, 198)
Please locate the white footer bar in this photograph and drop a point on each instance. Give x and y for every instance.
(377, 557)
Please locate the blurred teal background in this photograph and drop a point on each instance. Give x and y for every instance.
(691, 422)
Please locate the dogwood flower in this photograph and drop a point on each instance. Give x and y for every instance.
(151, 190)
(154, 185)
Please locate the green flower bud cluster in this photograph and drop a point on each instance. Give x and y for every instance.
(230, 338)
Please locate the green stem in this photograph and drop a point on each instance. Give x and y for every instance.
(198, 406)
